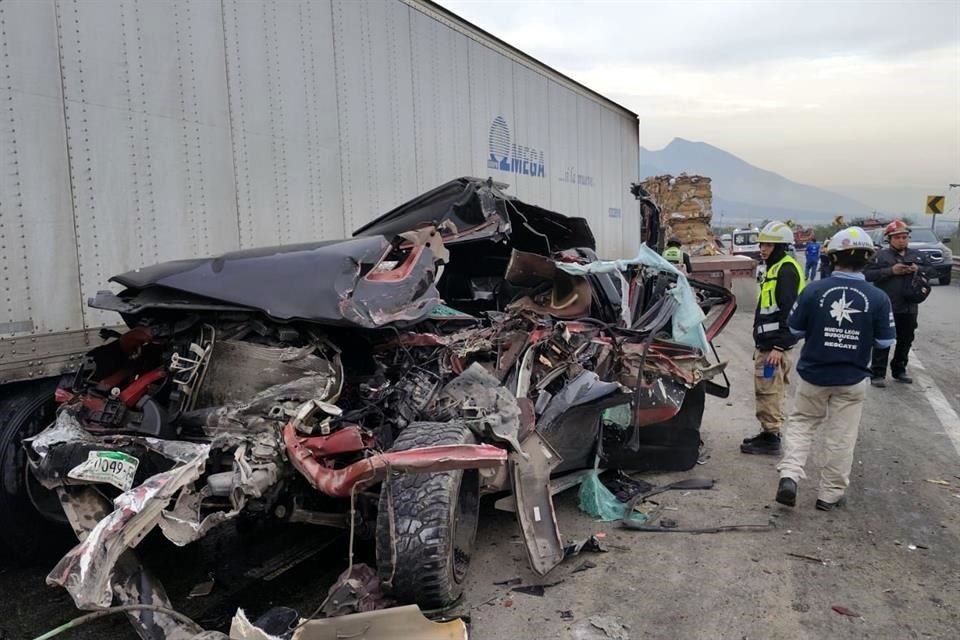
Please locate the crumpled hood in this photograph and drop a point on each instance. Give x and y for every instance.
(340, 282)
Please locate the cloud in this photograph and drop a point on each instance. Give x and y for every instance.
(707, 34)
(824, 92)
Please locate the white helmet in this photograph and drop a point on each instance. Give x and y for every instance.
(776, 233)
(851, 239)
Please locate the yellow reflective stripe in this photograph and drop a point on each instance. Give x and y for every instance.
(768, 290)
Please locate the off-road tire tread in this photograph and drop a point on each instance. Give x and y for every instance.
(423, 511)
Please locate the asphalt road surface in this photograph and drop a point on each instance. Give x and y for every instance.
(891, 558)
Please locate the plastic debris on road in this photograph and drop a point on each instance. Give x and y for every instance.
(599, 502)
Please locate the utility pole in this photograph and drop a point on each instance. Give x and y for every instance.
(955, 185)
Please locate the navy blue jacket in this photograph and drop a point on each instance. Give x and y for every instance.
(841, 318)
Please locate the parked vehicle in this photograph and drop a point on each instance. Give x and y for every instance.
(803, 236)
(464, 343)
(746, 243)
(925, 241)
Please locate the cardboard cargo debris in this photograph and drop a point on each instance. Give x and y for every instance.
(685, 210)
(397, 623)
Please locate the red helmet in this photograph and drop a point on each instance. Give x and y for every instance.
(895, 228)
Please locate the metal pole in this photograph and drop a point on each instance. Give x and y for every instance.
(954, 185)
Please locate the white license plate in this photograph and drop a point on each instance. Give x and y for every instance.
(110, 467)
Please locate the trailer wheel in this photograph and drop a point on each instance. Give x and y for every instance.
(435, 517)
(34, 525)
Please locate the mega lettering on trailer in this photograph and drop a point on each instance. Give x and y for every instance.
(137, 132)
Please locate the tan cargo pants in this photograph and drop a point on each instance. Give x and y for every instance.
(838, 410)
(771, 393)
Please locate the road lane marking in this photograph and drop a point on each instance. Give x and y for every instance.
(941, 406)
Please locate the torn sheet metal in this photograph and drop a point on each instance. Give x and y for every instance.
(584, 388)
(687, 319)
(132, 583)
(182, 524)
(397, 623)
(66, 443)
(478, 398)
(530, 477)
(86, 572)
(65, 430)
(569, 296)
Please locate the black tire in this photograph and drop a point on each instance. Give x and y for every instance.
(435, 522)
(946, 278)
(34, 526)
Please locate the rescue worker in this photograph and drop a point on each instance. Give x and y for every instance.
(825, 266)
(812, 255)
(782, 283)
(893, 270)
(676, 255)
(841, 318)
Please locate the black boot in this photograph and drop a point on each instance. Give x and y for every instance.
(902, 377)
(750, 439)
(823, 505)
(787, 492)
(765, 444)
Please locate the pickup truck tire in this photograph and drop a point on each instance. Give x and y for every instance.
(945, 278)
(34, 526)
(426, 559)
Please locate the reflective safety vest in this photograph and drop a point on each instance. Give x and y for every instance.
(768, 290)
(673, 254)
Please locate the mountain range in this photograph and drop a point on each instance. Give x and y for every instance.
(745, 193)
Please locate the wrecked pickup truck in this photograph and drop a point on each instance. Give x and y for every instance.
(464, 343)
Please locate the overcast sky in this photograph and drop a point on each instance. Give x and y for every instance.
(829, 93)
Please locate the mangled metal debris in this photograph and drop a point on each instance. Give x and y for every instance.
(465, 343)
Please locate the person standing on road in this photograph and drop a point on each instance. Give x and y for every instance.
(825, 266)
(812, 259)
(898, 271)
(675, 254)
(782, 283)
(841, 318)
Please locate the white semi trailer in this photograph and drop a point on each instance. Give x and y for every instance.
(139, 131)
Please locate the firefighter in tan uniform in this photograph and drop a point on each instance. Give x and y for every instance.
(782, 283)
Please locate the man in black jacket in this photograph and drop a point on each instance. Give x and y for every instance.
(894, 270)
(782, 283)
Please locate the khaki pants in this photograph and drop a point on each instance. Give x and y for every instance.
(771, 393)
(838, 410)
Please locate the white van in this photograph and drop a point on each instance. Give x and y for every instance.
(746, 242)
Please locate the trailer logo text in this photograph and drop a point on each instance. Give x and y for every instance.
(511, 157)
